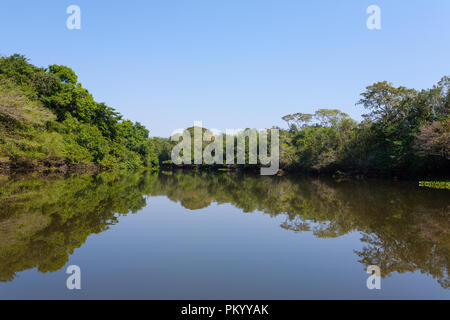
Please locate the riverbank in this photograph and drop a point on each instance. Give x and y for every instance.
(47, 167)
(338, 173)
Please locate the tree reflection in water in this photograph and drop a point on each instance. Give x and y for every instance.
(404, 228)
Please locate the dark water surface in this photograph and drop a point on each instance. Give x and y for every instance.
(221, 236)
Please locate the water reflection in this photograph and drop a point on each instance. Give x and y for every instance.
(404, 228)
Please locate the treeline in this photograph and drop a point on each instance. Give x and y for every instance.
(49, 121)
(405, 132)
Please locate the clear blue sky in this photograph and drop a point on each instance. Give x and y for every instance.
(233, 63)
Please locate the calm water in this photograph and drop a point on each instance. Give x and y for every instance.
(221, 236)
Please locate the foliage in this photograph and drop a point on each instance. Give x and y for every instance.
(406, 131)
(47, 117)
(435, 184)
(46, 114)
(163, 148)
(433, 140)
(320, 145)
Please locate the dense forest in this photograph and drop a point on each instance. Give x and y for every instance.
(48, 121)
(405, 132)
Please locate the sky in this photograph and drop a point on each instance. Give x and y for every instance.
(232, 64)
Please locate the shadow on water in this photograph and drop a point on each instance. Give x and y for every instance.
(404, 228)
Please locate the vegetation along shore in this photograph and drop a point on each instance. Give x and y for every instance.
(50, 123)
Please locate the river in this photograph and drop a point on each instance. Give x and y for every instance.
(200, 235)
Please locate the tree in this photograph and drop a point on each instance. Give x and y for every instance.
(298, 120)
(434, 140)
(329, 117)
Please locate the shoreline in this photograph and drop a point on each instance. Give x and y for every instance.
(339, 175)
